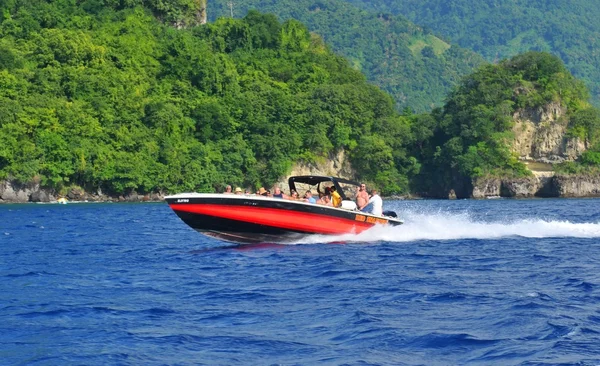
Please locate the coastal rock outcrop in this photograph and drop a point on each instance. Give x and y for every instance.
(486, 187)
(519, 187)
(505, 187)
(576, 186)
(12, 192)
(538, 185)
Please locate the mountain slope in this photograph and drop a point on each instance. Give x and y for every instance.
(417, 68)
(501, 29)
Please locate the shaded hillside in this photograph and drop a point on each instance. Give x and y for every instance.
(501, 29)
(417, 68)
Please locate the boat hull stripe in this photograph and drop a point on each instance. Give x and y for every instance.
(277, 218)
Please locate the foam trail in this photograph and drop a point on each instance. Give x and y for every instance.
(452, 226)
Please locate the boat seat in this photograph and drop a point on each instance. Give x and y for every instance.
(349, 205)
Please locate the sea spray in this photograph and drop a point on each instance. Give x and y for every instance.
(444, 225)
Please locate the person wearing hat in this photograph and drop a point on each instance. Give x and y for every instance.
(262, 191)
(238, 190)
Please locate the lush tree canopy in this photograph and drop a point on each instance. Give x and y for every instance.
(104, 95)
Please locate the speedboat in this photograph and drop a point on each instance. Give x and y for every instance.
(250, 219)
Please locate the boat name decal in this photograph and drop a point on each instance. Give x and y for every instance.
(370, 219)
(181, 200)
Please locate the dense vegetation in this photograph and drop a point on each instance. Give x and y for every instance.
(502, 29)
(105, 96)
(413, 65)
(108, 97)
(472, 133)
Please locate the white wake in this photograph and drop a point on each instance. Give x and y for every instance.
(452, 226)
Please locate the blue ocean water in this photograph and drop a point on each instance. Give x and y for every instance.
(491, 282)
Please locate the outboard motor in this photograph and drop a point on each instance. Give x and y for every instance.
(390, 214)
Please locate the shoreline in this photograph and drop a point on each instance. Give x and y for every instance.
(556, 186)
(387, 198)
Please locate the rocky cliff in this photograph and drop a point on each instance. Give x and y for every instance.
(540, 135)
(336, 165)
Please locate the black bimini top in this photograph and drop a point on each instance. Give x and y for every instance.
(314, 180)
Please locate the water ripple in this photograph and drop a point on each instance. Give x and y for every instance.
(493, 282)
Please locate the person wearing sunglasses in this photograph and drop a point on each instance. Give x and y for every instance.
(362, 197)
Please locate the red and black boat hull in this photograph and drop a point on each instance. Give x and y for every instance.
(252, 219)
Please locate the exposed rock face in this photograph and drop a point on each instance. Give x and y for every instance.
(576, 186)
(542, 184)
(505, 187)
(76, 194)
(486, 187)
(19, 193)
(41, 196)
(540, 135)
(519, 187)
(336, 165)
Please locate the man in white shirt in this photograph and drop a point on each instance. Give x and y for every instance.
(375, 205)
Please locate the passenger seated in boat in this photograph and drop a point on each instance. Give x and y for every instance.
(336, 199)
(294, 195)
(375, 205)
(277, 193)
(325, 200)
(228, 190)
(320, 199)
(308, 197)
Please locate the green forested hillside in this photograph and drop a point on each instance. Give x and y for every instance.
(472, 134)
(417, 68)
(501, 29)
(106, 96)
